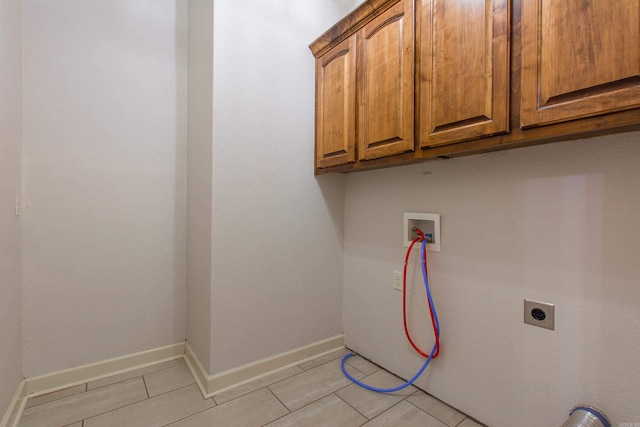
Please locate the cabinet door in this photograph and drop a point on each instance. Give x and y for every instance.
(464, 70)
(385, 83)
(336, 105)
(579, 58)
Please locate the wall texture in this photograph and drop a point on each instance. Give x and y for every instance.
(105, 177)
(199, 179)
(552, 223)
(10, 182)
(277, 230)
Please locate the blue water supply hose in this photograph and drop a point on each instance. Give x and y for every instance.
(425, 277)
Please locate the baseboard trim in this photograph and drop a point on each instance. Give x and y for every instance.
(211, 385)
(55, 381)
(198, 371)
(16, 407)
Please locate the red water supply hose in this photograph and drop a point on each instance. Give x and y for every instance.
(421, 237)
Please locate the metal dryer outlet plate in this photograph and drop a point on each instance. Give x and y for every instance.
(538, 313)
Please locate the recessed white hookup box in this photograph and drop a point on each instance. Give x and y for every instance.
(427, 222)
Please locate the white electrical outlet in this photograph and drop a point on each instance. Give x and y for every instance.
(397, 280)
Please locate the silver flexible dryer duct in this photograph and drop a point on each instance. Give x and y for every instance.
(586, 416)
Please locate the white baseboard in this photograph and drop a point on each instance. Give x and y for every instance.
(16, 407)
(211, 385)
(55, 381)
(197, 370)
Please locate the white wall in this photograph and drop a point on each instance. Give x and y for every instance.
(105, 177)
(10, 236)
(277, 231)
(199, 179)
(554, 223)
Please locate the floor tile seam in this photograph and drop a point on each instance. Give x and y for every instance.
(55, 400)
(284, 379)
(174, 389)
(279, 400)
(140, 401)
(189, 416)
(382, 368)
(372, 372)
(289, 411)
(67, 397)
(441, 420)
(432, 415)
(396, 404)
(352, 407)
(365, 359)
(356, 354)
(319, 398)
(308, 403)
(105, 412)
(379, 369)
(111, 385)
(466, 417)
(180, 388)
(126, 379)
(300, 373)
(146, 389)
(357, 370)
(447, 405)
(308, 369)
(111, 410)
(171, 367)
(391, 393)
(442, 401)
(350, 383)
(222, 404)
(251, 391)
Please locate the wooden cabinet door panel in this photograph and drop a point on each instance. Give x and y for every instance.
(385, 83)
(579, 58)
(336, 105)
(464, 70)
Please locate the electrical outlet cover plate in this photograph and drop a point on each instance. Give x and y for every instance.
(397, 280)
(429, 223)
(538, 313)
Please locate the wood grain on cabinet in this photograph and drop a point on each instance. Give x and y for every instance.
(336, 105)
(386, 83)
(580, 108)
(580, 58)
(464, 70)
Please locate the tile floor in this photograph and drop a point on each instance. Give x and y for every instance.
(314, 394)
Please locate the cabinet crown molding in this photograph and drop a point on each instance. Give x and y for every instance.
(347, 26)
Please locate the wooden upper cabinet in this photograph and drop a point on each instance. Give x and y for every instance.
(464, 70)
(386, 83)
(579, 58)
(336, 105)
(400, 81)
